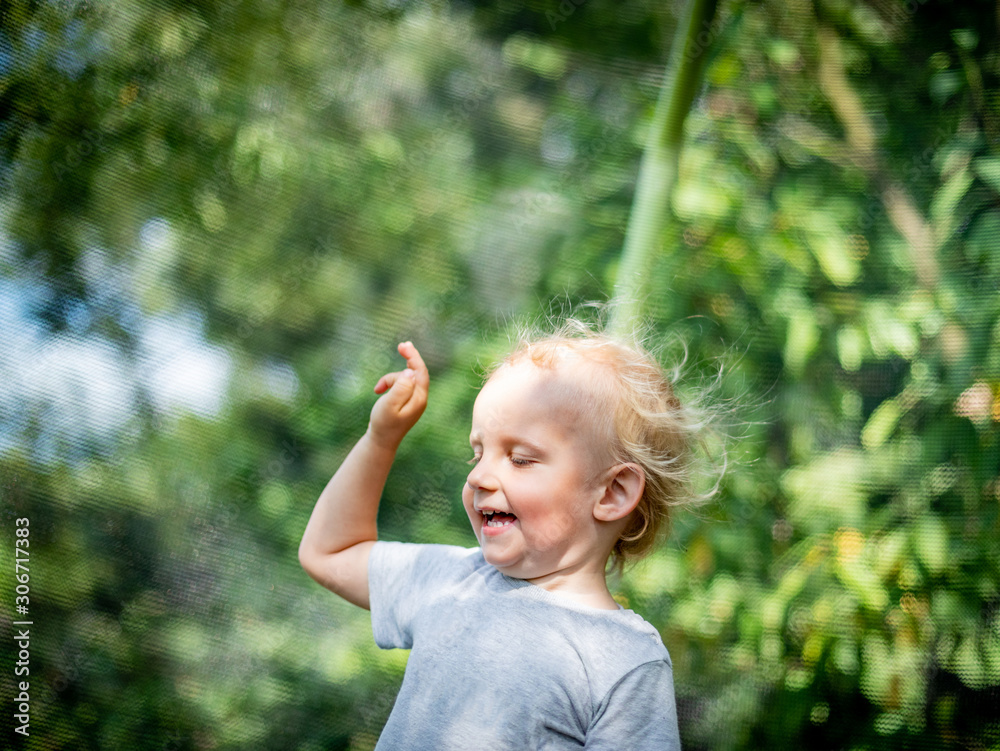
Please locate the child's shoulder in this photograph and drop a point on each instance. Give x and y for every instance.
(620, 645)
(630, 634)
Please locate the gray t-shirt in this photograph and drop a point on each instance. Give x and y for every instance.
(498, 663)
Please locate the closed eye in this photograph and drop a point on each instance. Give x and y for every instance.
(518, 461)
(473, 460)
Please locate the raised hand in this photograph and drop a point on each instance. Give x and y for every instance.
(343, 527)
(404, 397)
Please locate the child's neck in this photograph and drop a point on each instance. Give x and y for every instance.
(586, 589)
(598, 600)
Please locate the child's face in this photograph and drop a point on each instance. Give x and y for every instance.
(538, 463)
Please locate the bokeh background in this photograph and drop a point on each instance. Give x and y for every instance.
(218, 218)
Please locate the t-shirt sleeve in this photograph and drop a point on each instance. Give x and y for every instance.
(640, 707)
(403, 578)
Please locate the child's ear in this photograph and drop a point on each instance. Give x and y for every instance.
(622, 492)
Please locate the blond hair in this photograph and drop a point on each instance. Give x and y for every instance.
(636, 407)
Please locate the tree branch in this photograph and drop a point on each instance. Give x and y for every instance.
(658, 169)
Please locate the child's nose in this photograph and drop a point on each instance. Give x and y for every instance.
(480, 478)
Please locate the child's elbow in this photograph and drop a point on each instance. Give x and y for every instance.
(344, 573)
(311, 552)
(318, 564)
(307, 558)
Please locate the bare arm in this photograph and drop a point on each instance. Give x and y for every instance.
(341, 531)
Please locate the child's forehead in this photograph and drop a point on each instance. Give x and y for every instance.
(574, 389)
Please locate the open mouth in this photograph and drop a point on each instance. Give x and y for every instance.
(497, 518)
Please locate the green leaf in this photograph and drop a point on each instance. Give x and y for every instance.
(946, 201)
(881, 424)
(930, 541)
(944, 84)
(850, 348)
(988, 169)
(830, 246)
(801, 340)
(968, 663)
(967, 39)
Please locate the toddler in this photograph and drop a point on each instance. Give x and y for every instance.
(579, 449)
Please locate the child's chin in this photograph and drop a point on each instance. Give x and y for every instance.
(503, 564)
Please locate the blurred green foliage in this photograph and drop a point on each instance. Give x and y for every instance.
(219, 217)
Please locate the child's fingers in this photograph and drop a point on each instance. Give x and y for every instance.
(403, 398)
(414, 362)
(385, 383)
(389, 380)
(402, 389)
